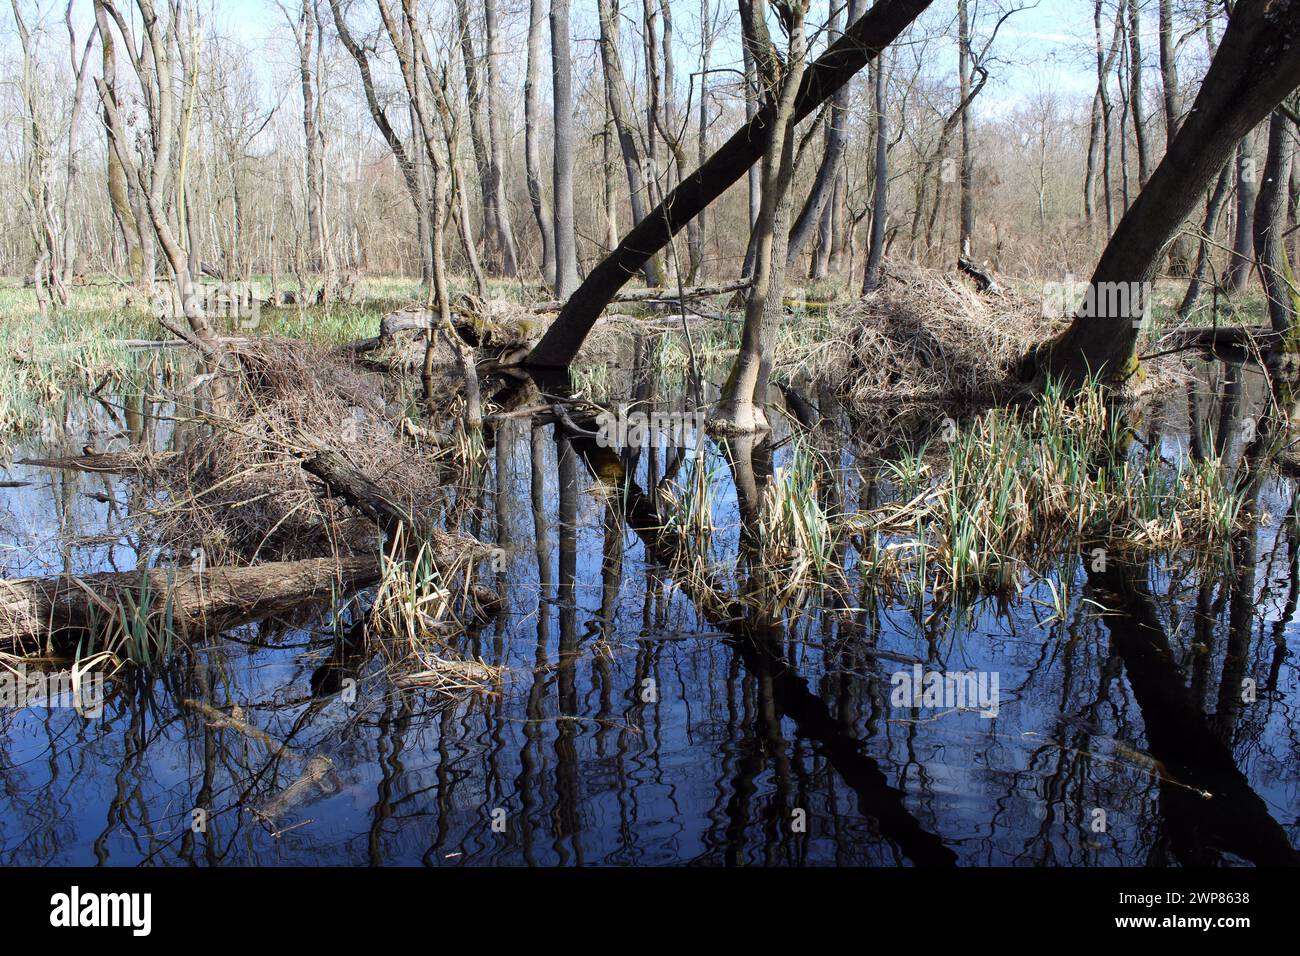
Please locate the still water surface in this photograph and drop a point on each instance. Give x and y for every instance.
(632, 730)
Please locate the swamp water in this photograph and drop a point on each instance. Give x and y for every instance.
(631, 727)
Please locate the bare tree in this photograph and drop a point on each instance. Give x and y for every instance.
(148, 165)
(616, 100)
(880, 194)
(1256, 65)
(532, 133)
(818, 201)
(479, 139)
(1213, 207)
(1099, 124)
(309, 39)
(505, 236)
(1270, 221)
(48, 214)
(1137, 107)
(739, 408)
(122, 199)
(405, 163)
(566, 243)
(1243, 244)
(861, 42)
(707, 34)
(966, 174)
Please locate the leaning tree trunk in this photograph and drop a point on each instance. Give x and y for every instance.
(1256, 65)
(862, 42)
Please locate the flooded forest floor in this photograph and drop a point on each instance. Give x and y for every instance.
(295, 612)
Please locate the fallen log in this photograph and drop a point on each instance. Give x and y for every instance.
(984, 280)
(421, 320)
(1242, 338)
(115, 463)
(659, 295)
(53, 612)
(346, 481)
(409, 320)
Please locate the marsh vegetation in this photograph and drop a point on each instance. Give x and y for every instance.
(392, 526)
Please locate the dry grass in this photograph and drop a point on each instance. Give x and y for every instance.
(236, 494)
(422, 602)
(923, 336)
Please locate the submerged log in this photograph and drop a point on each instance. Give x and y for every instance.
(317, 779)
(56, 610)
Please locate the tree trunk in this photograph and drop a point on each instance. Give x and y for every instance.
(1137, 108)
(118, 187)
(532, 132)
(497, 151)
(1270, 222)
(739, 408)
(1213, 207)
(479, 139)
(818, 201)
(862, 42)
(1256, 65)
(1099, 124)
(880, 197)
(566, 243)
(752, 175)
(967, 174)
(1243, 244)
(702, 135)
(305, 35)
(615, 82)
(1180, 253)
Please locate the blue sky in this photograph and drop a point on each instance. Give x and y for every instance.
(1046, 45)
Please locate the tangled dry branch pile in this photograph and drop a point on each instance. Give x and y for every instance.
(237, 491)
(924, 336)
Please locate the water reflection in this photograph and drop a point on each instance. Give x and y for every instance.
(643, 720)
